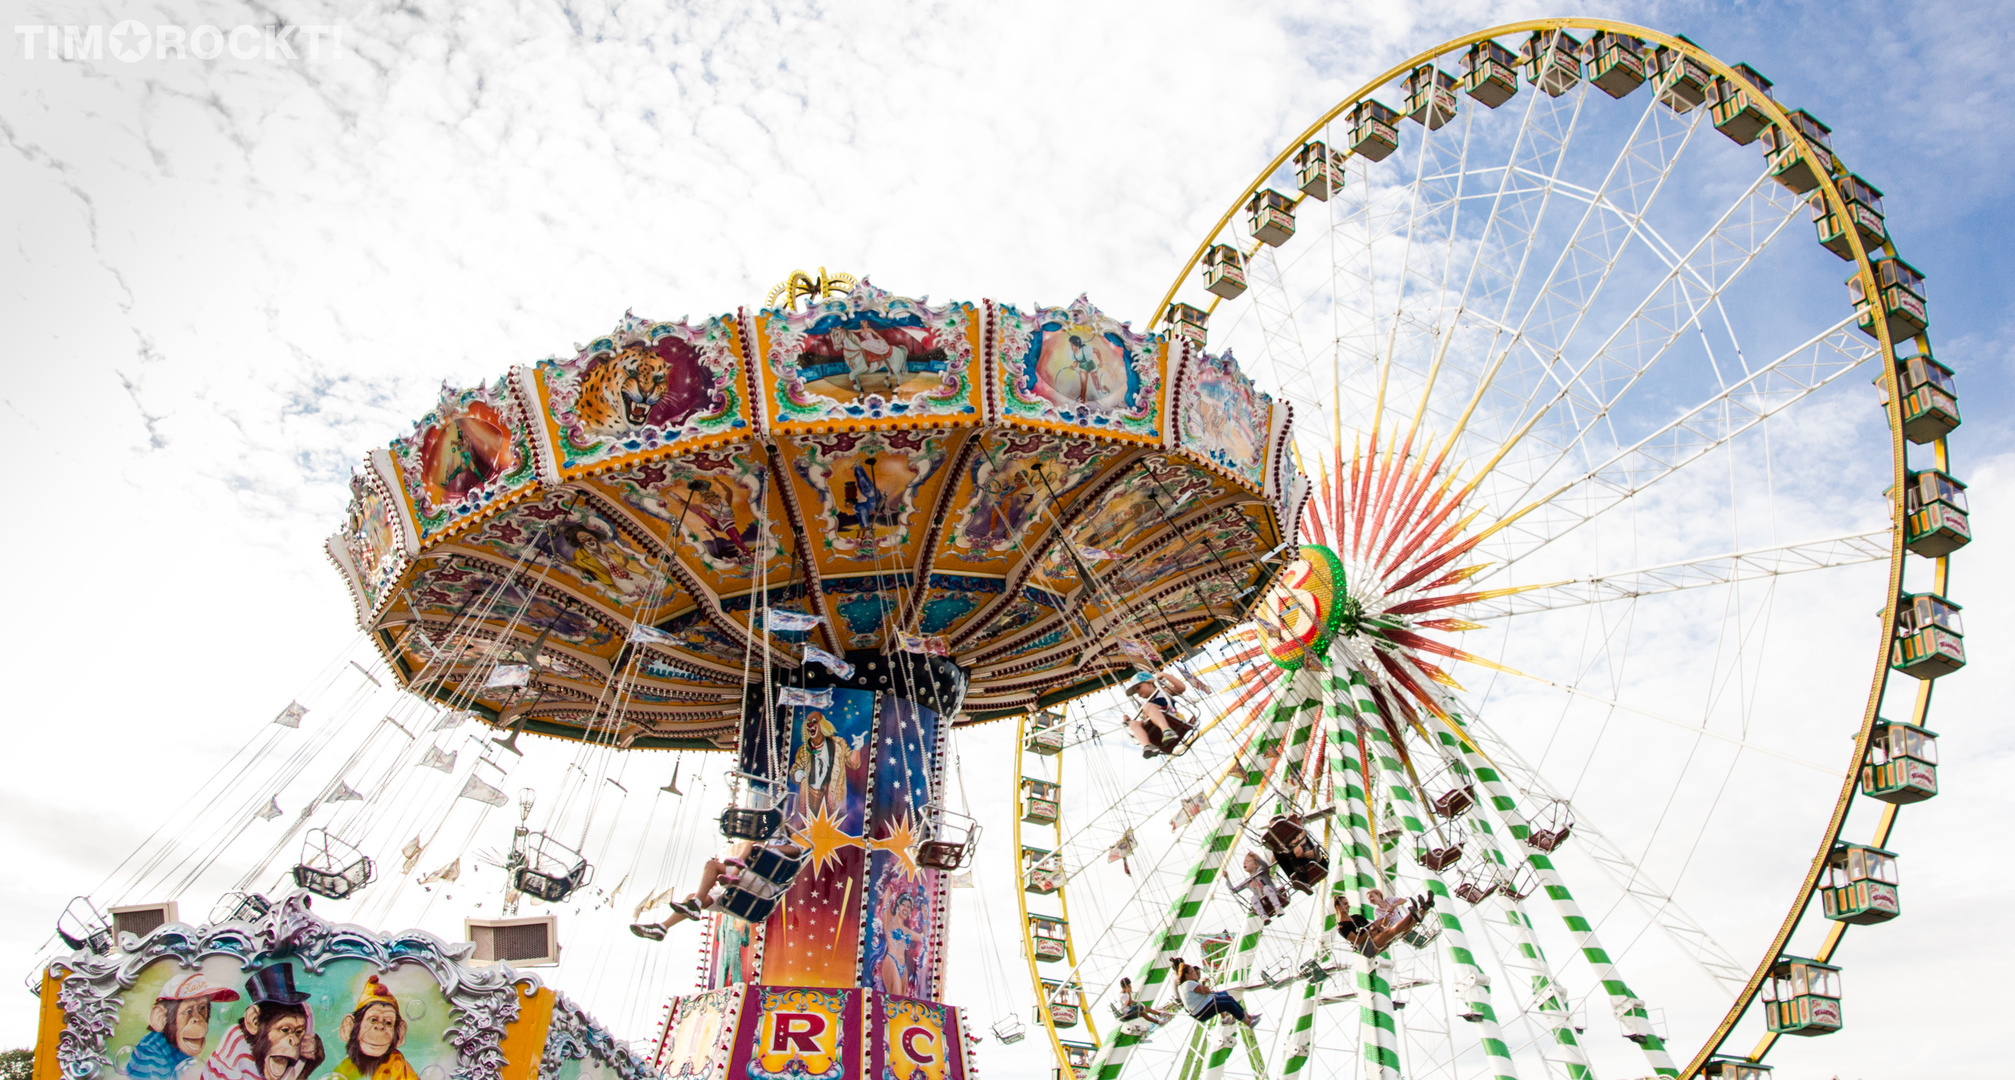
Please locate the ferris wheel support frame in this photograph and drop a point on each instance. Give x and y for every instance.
(1345, 698)
(1232, 813)
(1549, 998)
(1455, 942)
(1828, 190)
(1629, 1008)
(1299, 740)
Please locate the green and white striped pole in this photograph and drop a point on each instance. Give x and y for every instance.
(1627, 1006)
(1232, 812)
(1301, 1031)
(1348, 700)
(1240, 967)
(1548, 997)
(1452, 936)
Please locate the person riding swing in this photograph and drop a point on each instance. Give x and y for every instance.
(1391, 917)
(1203, 1003)
(1264, 895)
(742, 865)
(1158, 727)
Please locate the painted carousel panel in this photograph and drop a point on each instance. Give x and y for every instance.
(869, 359)
(643, 390)
(1077, 369)
(468, 458)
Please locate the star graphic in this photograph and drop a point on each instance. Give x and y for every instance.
(824, 838)
(902, 841)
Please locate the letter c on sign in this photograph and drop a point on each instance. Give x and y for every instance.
(799, 1030)
(909, 1040)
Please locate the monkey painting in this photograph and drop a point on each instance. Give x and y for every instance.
(275, 1039)
(371, 1035)
(177, 1027)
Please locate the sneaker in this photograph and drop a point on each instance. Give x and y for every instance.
(1148, 752)
(688, 908)
(1252, 1019)
(648, 931)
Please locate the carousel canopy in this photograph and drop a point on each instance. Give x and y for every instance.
(618, 542)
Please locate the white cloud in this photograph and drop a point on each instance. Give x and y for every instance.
(227, 281)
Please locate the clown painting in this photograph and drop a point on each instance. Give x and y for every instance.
(822, 764)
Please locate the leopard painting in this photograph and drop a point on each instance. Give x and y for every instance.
(619, 392)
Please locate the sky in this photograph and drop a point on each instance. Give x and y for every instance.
(224, 282)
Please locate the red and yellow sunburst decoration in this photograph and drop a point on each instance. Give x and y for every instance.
(1393, 574)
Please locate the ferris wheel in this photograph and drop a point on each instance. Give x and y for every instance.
(1595, 465)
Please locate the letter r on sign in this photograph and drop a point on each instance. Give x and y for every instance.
(799, 1030)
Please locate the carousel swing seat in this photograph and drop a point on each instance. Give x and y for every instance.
(744, 824)
(755, 814)
(241, 907)
(761, 884)
(544, 868)
(772, 865)
(1261, 895)
(1175, 727)
(1443, 847)
(1552, 828)
(84, 928)
(1295, 852)
(958, 836)
(747, 906)
(1441, 858)
(1371, 937)
(330, 868)
(1516, 882)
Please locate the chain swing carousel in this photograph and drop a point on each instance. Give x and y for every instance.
(819, 535)
(815, 536)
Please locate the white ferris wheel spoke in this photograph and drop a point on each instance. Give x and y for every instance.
(1851, 550)
(1516, 475)
(1615, 215)
(1774, 388)
(1656, 900)
(1666, 315)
